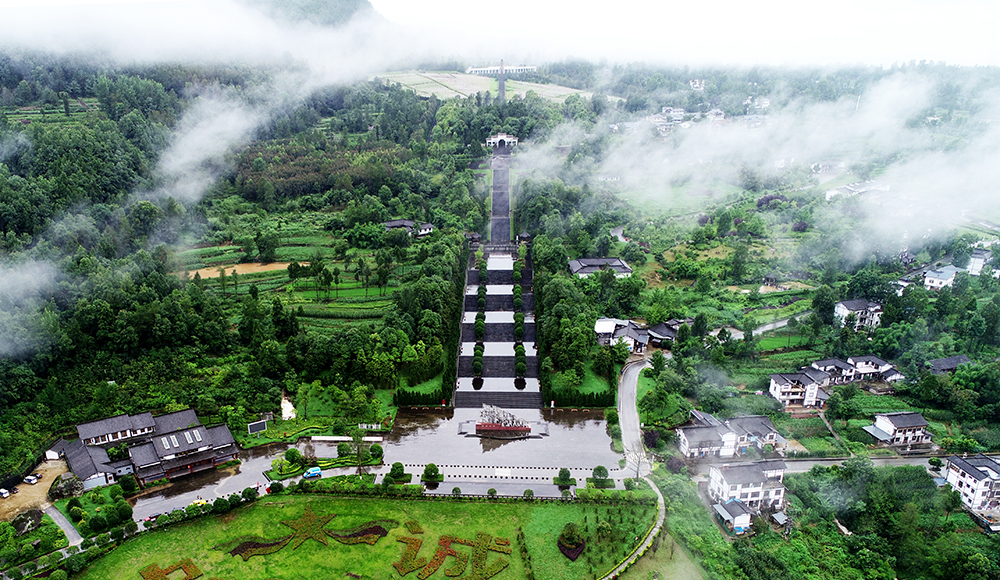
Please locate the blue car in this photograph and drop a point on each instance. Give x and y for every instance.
(311, 472)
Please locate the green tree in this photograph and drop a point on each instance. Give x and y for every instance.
(431, 472)
(600, 472)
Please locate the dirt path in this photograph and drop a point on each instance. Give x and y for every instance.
(32, 496)
(248, 268)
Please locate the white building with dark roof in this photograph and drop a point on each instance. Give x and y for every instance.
(91, 463)
(757, 484)
(709, 437)
(867, 314)
(413, 228)
(586, 266)
(116, 429)
(800, 389)
(667, 331)
(614, 330)
(977, 479)
(840, 371)
(900, 429)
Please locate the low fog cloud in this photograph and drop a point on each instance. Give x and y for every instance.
(22, 288)
(932, 187)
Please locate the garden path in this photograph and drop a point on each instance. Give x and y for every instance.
(72, 535)
(661, 516)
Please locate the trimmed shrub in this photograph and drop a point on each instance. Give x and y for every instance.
(397, 470)
(344, 449)
(220, 506)
(98, 523)
(74, 503)
(456, 491)
(75, 514)
(249, 494)
(117, 534)
(376, 451)
(431, 472)
(277, 487)
(492, 492)
(128, 484)
(529, 494)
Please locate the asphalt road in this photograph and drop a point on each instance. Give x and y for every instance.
(628, 417)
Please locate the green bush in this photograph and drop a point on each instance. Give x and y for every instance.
(128, 484)
(376, 451)
(529, 493)
(249, 494)
(117, 534)
(344, 449)
(74, 503)
(98, 523)
(397, 470)
(456, 491)
(277, 487)
(75, 514)
(492, 492)
(221, 505)
(431, 473)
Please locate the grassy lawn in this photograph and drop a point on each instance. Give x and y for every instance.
(646, 384)
(782, 341)
(429, 386)
(592, 383)
(670, 561)
(318, 555)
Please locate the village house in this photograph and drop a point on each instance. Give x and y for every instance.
(709, 437)
(938, 279)
(840, 371)
(757, 484)
(872, 368)
(977, 479)
(613, 330)
(900, 429)
(867, 314)
(666, 331)
(940, 366)
(175, 444)
(586, 266)
(801, 389)
(91, 463)
(413, 228)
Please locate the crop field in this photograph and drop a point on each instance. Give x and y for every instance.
(447, 84)
(79, 109)
(309, 536)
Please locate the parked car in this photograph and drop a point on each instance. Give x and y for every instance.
(152, 517)
(31, 479)
(14, 489)
(312, 472)
(200, 502)
(37, 476)
(4, 493)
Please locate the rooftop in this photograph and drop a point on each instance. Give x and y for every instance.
(904, 419)
(947, 365)
(592, 265)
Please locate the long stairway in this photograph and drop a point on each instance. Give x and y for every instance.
(497, 383)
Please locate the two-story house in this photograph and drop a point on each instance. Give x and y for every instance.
(871, 367)
(611, 331)
(754, 431)
(757, 484)
(801, 389)
(840, 371)
(667, 331)
(902, 428)
(867, 314)
(977, 479)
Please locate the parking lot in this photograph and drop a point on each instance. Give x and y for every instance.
(30, 496)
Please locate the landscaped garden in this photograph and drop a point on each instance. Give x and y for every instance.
(312, 536)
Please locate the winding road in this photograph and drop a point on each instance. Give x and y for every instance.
(628, 418)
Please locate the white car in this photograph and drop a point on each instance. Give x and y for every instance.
(31, 479)
(4, 493)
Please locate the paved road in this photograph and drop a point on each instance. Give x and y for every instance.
(617, 233)
(737, 334)
(628, 417)
(72, 535)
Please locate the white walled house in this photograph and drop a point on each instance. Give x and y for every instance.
(900, 429)
(709, 437)
(840, 371)
(706, 441)
(871, 367)
(938, 279)
(757, 484)
(801, 389)
(867, 314)
(977, 479)
(116, 429)
(586, 266)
